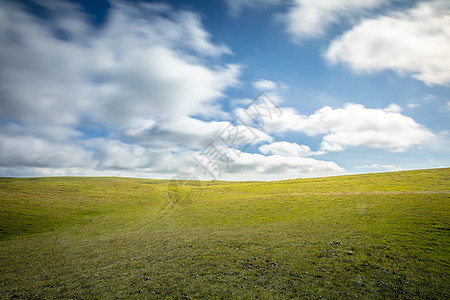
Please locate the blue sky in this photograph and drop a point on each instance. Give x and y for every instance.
(226, 89)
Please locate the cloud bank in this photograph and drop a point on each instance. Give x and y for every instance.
(122, 99)
(141, 95)
(74, 96)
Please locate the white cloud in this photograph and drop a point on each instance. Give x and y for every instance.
(139, 64)
(274, 167)
(311, 18)
(114, 154)
(266, 113)
(265, 85)
(146, 61)
(190, 132)
(287, 119)
(354, 125)
(195, 36)
(415, 43)
(144, 71)
(413, 105)
(140, 78)
(158, 81)
(146, 24)
(287, 149)
(126, 99)
(30, 151)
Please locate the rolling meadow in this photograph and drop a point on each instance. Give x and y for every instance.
(372, 236)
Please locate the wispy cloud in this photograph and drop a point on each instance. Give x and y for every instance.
(413, 105)
(265, 85)
(311, 18)
(379, 167)
(235, 7)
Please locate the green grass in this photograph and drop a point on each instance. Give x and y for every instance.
(372, 236)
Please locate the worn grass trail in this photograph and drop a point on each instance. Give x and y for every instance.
(374, 236)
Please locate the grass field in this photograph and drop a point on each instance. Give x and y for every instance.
(373, 236)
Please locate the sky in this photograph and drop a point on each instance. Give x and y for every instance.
(223, 89)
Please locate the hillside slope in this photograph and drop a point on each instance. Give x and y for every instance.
(376, 235)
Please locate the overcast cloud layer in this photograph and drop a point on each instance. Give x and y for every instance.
(143, 94)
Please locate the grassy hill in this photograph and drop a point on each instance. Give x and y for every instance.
(374, 236)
